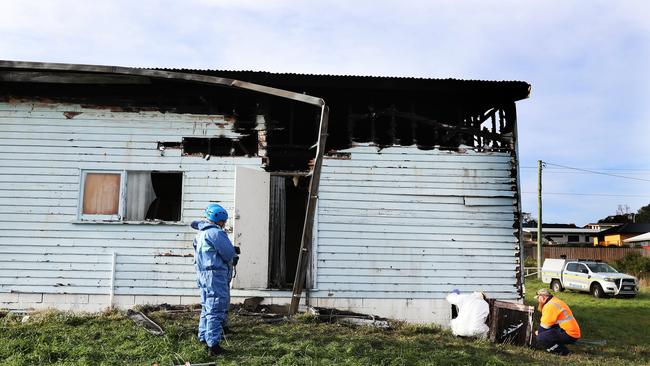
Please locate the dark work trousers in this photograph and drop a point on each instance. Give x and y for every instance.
(553, 340)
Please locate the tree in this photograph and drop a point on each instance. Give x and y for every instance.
(623, 216)
(634, 263)
(643, 215)
(616, 219)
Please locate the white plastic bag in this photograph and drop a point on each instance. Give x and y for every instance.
(473, 310)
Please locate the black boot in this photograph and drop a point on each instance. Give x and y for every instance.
(216, 350)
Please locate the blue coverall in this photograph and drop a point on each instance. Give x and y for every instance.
(213, 253)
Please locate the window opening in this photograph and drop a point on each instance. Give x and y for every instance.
(168, 188)
(132, 196)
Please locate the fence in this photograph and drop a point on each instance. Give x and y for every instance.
(594, 253)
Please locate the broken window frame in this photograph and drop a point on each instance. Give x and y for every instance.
(120, 217)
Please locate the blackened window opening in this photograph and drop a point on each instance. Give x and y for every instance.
(168, 188)
(153, 196)
(163, 145)
(221, 146)
(292, 131)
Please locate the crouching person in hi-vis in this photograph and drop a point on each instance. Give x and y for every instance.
(214, 254)
(557, 327)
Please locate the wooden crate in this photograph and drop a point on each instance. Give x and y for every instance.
(510, 323)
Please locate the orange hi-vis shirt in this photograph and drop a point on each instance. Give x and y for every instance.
(555, 311)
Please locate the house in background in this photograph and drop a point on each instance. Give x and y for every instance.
(104, 167)
(616, 236)
(601, 226)
(642, 240)
(559, 234)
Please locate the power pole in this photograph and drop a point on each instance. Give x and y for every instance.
(539, 219)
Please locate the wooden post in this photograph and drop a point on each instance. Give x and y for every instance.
(111, 294)
(539, 219)
(308, 229)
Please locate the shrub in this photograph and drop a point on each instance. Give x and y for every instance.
(530, 262)
(634, 263)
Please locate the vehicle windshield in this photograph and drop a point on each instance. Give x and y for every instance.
(601, 268)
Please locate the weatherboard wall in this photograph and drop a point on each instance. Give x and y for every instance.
(46, 251)
(404, 223)
(396, 230)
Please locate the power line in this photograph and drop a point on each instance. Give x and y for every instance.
(566, 171)
(596, 172)
(612, 169)
(590, 194)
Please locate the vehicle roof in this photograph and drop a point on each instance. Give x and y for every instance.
(585, 261)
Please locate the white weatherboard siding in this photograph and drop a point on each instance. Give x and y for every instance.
(409, 224)
(396, 229)
(45, 252)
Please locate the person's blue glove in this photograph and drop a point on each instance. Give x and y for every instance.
(455, 291)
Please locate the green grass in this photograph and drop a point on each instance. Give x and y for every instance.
(57, 338)
(623, 323)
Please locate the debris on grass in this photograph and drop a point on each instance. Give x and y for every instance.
(142, 320)
(347, 317)
(168, 308)
(18, 312)
(593, 342)
(252, 303)
(252, 307)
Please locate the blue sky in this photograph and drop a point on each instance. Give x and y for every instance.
(587, 62)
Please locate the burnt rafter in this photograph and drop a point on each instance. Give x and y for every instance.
(483, 130)
(384, 111)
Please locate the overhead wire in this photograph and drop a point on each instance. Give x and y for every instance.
(614, 169)
(596, 172)
(592, 172)
(590, 194)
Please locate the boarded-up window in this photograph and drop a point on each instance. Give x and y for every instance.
(101, 194)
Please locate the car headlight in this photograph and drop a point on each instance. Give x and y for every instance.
(609, 279)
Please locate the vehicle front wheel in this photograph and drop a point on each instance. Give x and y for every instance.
(597, 291)
(556, 286)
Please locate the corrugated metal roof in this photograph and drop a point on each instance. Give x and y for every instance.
(208, 71)
(546, 230)
(629, 228)
(642, 237)
(514, 90)
(500, 90)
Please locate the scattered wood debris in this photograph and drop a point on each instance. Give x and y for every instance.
(143, 321)
(348, 317)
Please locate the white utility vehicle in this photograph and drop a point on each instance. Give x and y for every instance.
(598, 278)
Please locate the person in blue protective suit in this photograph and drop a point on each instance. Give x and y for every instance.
(196, 225)
(214, 254)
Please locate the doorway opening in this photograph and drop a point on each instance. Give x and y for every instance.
(288, 203)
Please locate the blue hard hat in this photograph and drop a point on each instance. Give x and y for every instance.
(215, 213)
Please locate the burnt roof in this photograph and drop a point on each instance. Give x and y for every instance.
(629, 228)
(510, 90)
(382, 110)
(319, 85)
